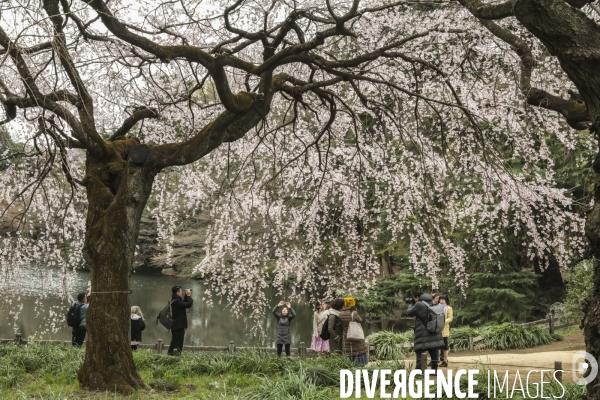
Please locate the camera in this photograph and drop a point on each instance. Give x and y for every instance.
(409, 300)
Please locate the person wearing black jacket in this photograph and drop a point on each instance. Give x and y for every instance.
(178, 311)
(284, 335)
(137, 326)
(424, 340)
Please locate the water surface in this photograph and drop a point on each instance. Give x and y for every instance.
(42, 314)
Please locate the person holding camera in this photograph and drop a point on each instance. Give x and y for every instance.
(424, 340)
(284, 334)
(180, 323)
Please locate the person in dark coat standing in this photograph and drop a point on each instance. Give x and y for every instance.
(284, 334)
(424, 340)
(78, 334)
(178, 312)
(137, 325)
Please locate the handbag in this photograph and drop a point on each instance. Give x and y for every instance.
(355, 330)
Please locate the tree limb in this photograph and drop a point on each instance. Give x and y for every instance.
(139, 114)
(489, 11)
(575, 112)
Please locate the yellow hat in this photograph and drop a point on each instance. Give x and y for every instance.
(349, 302)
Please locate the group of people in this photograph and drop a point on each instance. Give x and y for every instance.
(337, 317)
(179, 305)
(78, 331)
(434, 343)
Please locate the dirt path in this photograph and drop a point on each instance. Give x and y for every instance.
(537, 358)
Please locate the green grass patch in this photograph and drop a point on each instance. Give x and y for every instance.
(50, 372)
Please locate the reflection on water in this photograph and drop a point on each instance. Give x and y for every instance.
(41, 312)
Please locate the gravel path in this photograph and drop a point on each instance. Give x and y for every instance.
(525, 360)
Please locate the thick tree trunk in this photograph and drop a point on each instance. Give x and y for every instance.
(117, 192)
(575, 40)
(591, 308)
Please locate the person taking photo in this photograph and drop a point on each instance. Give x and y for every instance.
(424, 340)
(179, 305)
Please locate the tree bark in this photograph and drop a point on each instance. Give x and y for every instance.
(591, 307)
(575, 40)
(117, 191)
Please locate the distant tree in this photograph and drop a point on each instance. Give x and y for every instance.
(579, 291)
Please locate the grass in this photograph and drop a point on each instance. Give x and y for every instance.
(49, 372)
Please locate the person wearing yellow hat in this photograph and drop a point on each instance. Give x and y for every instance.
(355, 349)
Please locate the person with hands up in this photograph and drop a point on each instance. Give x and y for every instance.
(284, 334)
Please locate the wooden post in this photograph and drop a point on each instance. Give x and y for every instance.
(159, 346)
(424, 362)
(302, 350)
(231, 346)
(18, 339)
(471, 342)
(512, 324)
(558, 370)
(551, 324)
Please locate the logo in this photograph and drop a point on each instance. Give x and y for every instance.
(582, 363)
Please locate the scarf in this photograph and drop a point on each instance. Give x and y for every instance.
(334, 312)
(175, 297)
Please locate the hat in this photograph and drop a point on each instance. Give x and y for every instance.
(349, 302)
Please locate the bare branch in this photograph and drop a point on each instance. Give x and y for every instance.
(575, 112)
(489, 11)
(139, 114)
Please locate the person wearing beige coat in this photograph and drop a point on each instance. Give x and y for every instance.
(445, 301)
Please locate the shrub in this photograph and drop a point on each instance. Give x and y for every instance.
(501, 337)
(459, 337)
(579, 288)
(504, 337)
(386, 345)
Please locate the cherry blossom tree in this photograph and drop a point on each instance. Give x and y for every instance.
(303, 127)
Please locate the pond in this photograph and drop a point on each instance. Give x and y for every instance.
(41, 314)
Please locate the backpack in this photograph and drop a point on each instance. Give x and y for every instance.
(437, 319)
(165, 317)
(74, 315)
(325, 330)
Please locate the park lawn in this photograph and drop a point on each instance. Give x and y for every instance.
(50, 372)
(48, 386)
